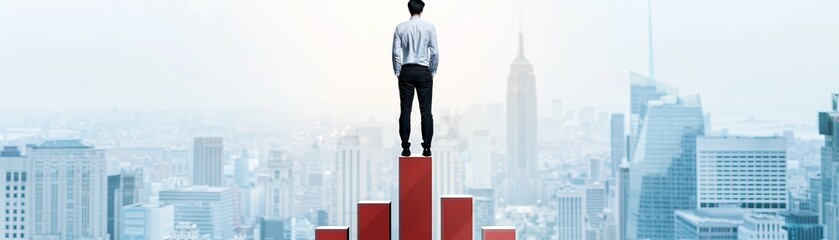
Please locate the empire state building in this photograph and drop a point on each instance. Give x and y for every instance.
(522, 177)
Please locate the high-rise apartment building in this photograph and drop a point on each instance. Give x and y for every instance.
(66, 191)
(208, 161)
(13, 193)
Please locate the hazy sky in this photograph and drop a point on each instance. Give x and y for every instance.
(774, 59)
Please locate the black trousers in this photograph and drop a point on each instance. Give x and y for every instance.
(415, 78)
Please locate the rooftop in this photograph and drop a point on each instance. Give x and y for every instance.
(198, 188)
(714, 215)
(62, 144)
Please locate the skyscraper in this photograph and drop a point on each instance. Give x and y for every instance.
(12, 193)
(480, 153)
(484, 208)
(572, 214)
(447, 176)
(208, 161)
(595, 205)
(521, 166)
(643, 90)
(829, 127)
(147, 221)
(741, 172)
(124, 189)
(67, 191)
(663, 173)
(351, 182)
(623, 200)
(213, 209)
(802, 225)
(241, 171)
(618, 142)
(595, 166)
(279, 187)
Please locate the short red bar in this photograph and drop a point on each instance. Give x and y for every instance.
(456, 217)
(415, 198)
(374, 220)
(499, 233)
(332, 233)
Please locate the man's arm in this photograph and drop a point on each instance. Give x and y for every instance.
(397, 54)
(434, 54)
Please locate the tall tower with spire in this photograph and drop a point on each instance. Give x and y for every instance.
(521, 182)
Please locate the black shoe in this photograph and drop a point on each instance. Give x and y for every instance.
(406, 152)
(426, 152)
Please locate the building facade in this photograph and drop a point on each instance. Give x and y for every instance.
(571, 216)
(663, 173)
(759, 226)
(13, 193)
(829, 128)
(208, 161)
(741, 172)
(802, 225)
(212, 209)
(279, 187)
(124, 189)
(708, 224)
(67, 191)
(142, 221)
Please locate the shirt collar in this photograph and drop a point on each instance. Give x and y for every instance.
(415, 17)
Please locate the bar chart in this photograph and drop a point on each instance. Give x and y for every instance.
(415, 200)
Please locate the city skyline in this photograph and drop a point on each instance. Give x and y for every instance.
(588, 139)
(583, 35)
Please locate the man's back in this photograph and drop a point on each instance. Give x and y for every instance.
(415, 42)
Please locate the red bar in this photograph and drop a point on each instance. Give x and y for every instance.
(332, 233)
(374, 220)
(415, 198)
(456, 217)
(499, 233)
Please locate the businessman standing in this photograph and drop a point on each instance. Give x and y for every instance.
(415, 60)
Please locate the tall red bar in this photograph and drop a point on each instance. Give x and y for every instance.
(332, 233)
(415, 198)
(456, 217)
(499, 233)
(374, 220)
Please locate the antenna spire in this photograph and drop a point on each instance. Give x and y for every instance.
(650, 31)
(521, 36)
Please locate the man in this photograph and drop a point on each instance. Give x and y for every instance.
(415, 64)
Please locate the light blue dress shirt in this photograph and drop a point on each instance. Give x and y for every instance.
(415, 42)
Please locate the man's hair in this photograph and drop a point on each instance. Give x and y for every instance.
(415, 6)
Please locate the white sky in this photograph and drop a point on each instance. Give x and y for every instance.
(774, 59)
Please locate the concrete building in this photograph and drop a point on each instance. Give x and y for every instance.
(279, 187)
(13, 180)
(709, 223)
(67, 191)
(760, 226)
(212, 209)
(742, 172)
(571, 215)
(147, 221)
(208, 161)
